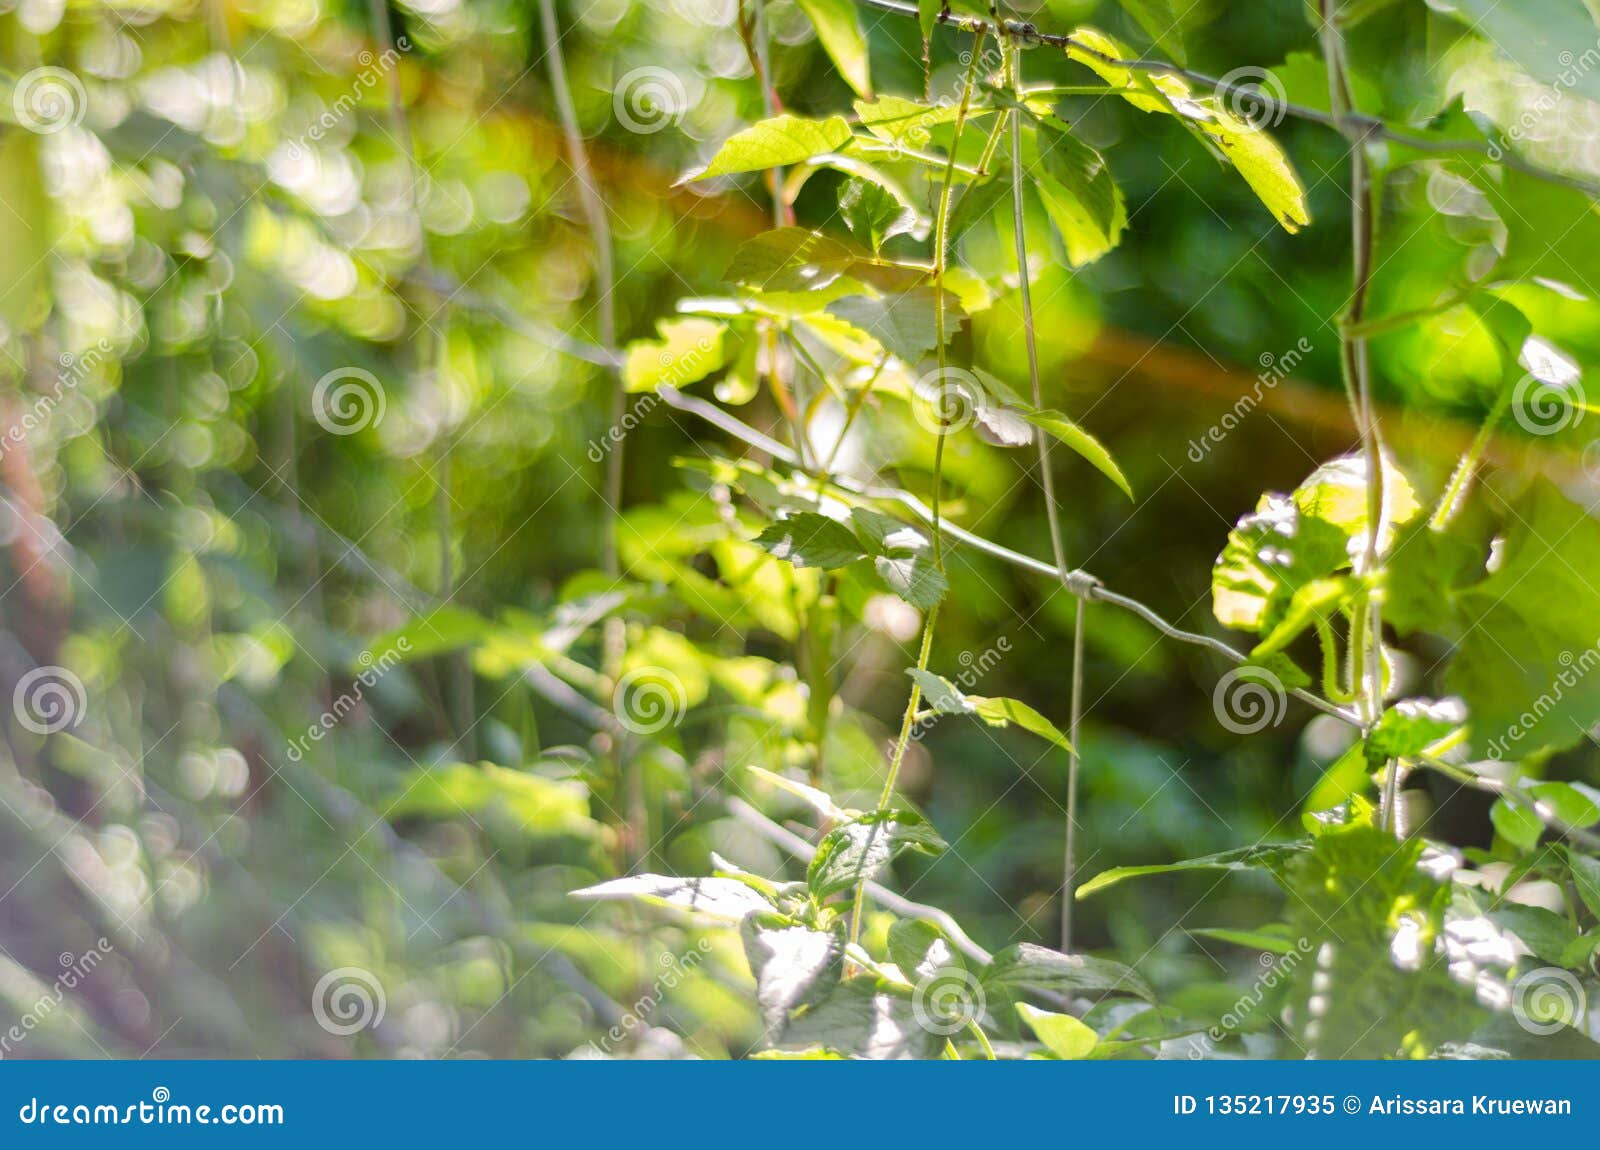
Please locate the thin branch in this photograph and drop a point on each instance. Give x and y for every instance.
(1069, 866)
(1029, 35)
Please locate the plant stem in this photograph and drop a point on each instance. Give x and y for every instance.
(1069, 866)
(1358, 382)
(941, 231)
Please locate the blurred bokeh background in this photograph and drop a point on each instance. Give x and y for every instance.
(212, 214)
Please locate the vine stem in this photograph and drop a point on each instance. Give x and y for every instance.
(614, 635)
(1047, 477)
(1357, 371)
(941, 235)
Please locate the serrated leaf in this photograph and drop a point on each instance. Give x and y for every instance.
(1063, 1035)
(1083, 443)
(920, 949)
(808, 539)
(1411, 725)
(1027, 966)
(839, 31)
(792, 965)
(689, 349)
(913, 578)
(1263, 165)
(774, 143)
(946, 698)
(904, 323)
(858, 1018)
(856, 851)
(1075, 186)
(875, 211)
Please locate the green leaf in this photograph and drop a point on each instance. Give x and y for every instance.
(920, 949)
(1567, 802)
(792, 965)
(435, 632)
(1162, 20)
(1586, 877)
(859, 1018)
(689, 349)
(1411, 725)
(1271, 859)
(1083, 443)
(808, 539)
(875, 211)
(839, 30)
(1078, 193)
(1063, 1035)
(1274, 939)
(896, 120)
(1525, 664)
(1027, 966)
(786, 260)
(724, 900)
(914, 578)
(1516, 824)
(946, 698)
(1544, 932)
(856, 851)
(905, 323)
(1372, 916)
(774, 143)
